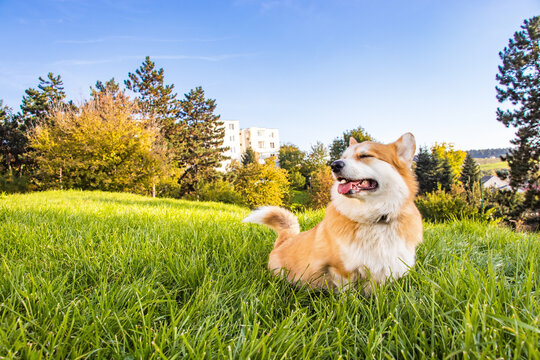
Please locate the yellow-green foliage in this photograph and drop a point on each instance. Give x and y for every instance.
(455, 157)
(262, 184)
(441, 206)
(103, 145)
(319, 192)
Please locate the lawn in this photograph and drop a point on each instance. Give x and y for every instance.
(101, 275)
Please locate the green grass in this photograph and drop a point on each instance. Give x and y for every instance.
(100, 275)
(491, 164)
(300, 197)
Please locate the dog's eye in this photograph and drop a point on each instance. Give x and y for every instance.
(363, 156)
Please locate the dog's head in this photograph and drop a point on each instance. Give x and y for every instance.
(374, 173)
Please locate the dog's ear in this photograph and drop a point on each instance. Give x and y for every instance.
(352, 141)
(406, 147)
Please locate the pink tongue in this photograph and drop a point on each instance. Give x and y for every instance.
(344, 188)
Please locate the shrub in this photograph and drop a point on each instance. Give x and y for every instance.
(441, 206)
(297, 180)
(14, 184)
(220, 191)
(319, 191)
(262, 184)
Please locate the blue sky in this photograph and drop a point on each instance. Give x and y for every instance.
(310, 68)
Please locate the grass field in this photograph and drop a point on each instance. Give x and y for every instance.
(100, 275)
(491, 164)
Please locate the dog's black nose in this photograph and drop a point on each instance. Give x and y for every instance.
(337, 166)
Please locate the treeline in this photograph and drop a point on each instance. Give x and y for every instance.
(152, 143)
(450, 188)
(488, 153)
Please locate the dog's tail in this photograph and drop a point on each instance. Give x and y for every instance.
(277, 218)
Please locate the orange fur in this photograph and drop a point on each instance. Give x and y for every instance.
(328, 254)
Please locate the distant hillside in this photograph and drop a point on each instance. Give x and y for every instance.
(487, 153)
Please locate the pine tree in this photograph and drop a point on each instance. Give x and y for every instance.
(470, 173)
(12, 142)
(445, 176)
(248, 157)
(157, 100)
(110, 87)
(519, 79)
(203, 134)
(425, 168)
(339, 144)
(37, 105)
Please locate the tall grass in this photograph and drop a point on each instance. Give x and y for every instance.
(100, 275)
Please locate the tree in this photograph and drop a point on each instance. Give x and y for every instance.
(424, 169)
(339, 144)
(470, 173)
(37, 105)
(319, 191)
(454, 157)
(317, 158)
(262, 184)
(248, 157)
(444, 174)
(12, 141)
(156, 100)
(433, 172)
(110, 87)
(105, 145)
(291, 157)
(519, 88)
(203, 134)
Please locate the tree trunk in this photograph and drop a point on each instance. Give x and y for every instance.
(61, 185)
(153, 189)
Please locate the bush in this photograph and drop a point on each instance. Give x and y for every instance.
(440, 206)
(220, 191)
(319, 191)
(14, 184)
(262, 184)
(297, 180)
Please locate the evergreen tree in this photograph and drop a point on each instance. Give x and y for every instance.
(339, 144)
(444, 174)
(425, 171)
(203, 134)
(37, 105)
(470, 173)
(248, 157)
(12, 142)
(316, 159)
(157, 100)
(519, 79)
(110, 87)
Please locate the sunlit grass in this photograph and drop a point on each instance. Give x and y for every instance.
(100, 275)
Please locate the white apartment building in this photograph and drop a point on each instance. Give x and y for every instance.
(263, 141)
(231, 140)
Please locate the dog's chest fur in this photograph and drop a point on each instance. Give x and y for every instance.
(376, 252)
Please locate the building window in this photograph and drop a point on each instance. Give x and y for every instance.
(231, 138)
(231, 126)
(272, 144)
(272, 134)
(261, 144)
(260, 132)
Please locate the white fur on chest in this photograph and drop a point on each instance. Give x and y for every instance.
(377, 252)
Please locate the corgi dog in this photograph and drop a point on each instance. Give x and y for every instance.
(371, 227)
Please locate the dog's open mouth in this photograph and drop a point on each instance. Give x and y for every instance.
(349, 187)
